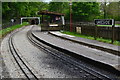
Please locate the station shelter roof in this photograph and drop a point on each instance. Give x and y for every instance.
(50, 13)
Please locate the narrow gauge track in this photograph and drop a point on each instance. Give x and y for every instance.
(89, 72)
(25, 69)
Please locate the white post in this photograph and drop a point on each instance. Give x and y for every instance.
(21, 21)
(63, 20)
(39, 20)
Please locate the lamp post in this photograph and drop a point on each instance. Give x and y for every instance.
(70, 16)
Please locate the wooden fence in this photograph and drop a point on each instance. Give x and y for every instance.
(88, 28)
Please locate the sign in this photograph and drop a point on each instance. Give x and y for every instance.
(12, 20)
(104, 21)
(70, 3)
(53, 25)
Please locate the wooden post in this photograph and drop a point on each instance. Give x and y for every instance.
(42, 19)
(95, 32)
(70, 16)
(63, 22)
(113, 33)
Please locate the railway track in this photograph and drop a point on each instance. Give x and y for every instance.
(89, 73)
(24, 68)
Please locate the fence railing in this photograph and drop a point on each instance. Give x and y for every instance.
(88, 28)
(8, 24)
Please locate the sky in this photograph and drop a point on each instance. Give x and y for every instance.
(48, 0)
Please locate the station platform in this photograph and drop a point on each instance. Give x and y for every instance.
(78, 49)
(113, 49)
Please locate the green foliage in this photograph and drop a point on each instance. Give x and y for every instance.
(20, 9)
(60, 7)
(3, 32)
(85, 11)
(113, 10)
(110, 10)
(81, 11)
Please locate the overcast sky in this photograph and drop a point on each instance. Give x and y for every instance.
(47, 0)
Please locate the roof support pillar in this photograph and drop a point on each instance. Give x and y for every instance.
(39, 20)
(63, 20)
(21, 21)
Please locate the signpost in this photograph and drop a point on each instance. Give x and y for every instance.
(105, 22)
(12, 20)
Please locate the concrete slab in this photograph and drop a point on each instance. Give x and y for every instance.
(93, 54)
(91, 43)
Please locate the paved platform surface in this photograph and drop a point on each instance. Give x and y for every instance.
(91, 43)
(94, 54)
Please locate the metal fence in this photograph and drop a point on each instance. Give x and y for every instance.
(8, 24)
(88, 28)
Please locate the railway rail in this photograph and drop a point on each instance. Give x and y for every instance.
(84, 71)
(88, 72)
(24, 68)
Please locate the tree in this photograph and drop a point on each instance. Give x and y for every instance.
(60, 7)
(19, 9)
(113, 10)
(85, 11)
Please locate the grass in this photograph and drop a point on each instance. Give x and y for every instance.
(117, 24)
(4, 32)
(107, 25)
(91, 37)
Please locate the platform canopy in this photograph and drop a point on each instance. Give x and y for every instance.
(30, 18)
(53, 15)
(50, 13)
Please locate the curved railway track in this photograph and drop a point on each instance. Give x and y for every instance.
(89, 73)
(24, 68)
